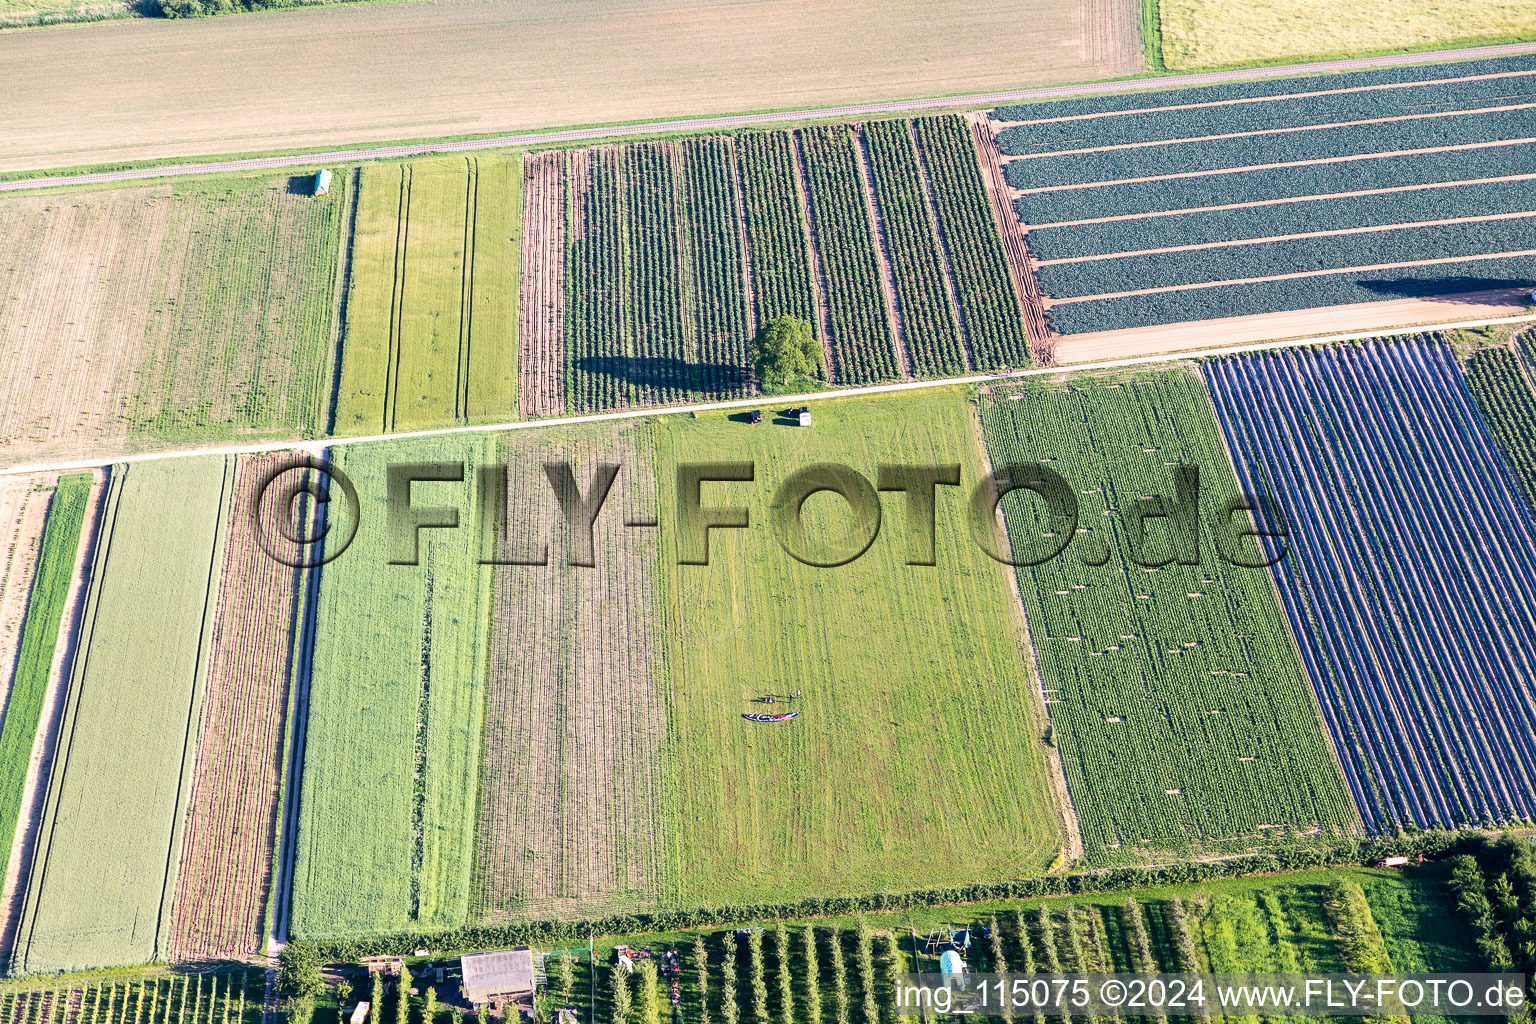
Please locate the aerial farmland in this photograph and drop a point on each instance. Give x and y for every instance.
(732, 532)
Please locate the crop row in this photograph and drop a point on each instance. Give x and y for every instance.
(1265, 88)
(776, 232)
(924, 308)
(1199, 122)
(1302, 293)
(659, 367)
(860, 342)
(1502, 393)
(1428, 715)
(1322, 214)
(1180, 709)
(596, 308)
(1215, 154)
(51, 583)
(1297, 255)
(1259, 184)
(223, 997)
(989, 307)
(108, 842)
(717, 292)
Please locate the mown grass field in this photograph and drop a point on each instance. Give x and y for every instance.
(388, 805)
(919, 758)
(100, 886)
(430, 338)
(1216, 33)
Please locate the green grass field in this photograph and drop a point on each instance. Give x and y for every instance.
(99, 892)
(388, 806)
(1216, 33)
(919, 759)
(430, 337)
(1183, 712)
(39, 640)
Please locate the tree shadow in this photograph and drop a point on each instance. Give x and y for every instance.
(669, 372)
(1470, 290)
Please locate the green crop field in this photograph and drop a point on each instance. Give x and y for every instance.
(110, 834)
(39, 640)
(1177, 696)
(430, 337)
(388, 805)
(919, 758)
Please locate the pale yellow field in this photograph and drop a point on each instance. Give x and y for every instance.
(149, 88)
(1213, 33)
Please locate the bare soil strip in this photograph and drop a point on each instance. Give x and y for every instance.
(23, 513)
(1243, 330)
(1012, 157)
(1097, 115)
(1013, 233)
(575, 721)
(1298, 275)
(35, 791)
(1274, 166)
(1282, 201)
(882, 256)
(812, 248)
(1326, 233)
(225, 877)
(541, 361)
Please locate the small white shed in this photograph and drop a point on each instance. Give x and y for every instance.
(322, 182)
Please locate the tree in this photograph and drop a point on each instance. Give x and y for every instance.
(786, 979)
(376, 1005)
(299, 971)
(786, 351)
(403, 997)
(301, 1009)
(650, 1000)
(728, 1011)
(620, 993)
(429, 1006)
(701, 973)
(812, 978)
(565, 973)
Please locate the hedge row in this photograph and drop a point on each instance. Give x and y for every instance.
(1197, 122)
(1273, 183)
(1303, 293)
(1285, 219)
(1249, 151)
(1432, 844)
(1297, 255)
(1266, 87)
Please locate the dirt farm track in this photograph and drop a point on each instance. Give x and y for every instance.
(148, 88)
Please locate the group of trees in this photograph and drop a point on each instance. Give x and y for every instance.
(200, 8)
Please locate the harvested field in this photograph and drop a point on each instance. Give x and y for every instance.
(430, 335)
(225, 877)
(139, 316)
(541, 336)
(1213, 33)
(572, 760)
(247, 83)
(99, 890)
(1287, 194)
(908, 674)
(396, 695)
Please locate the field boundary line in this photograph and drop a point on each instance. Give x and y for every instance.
(1317, 197)
(1257, 132)
(318, 447)
(1295, 276)
(1365, 229)
(960, 102)
(1279, 97)
(1383, 155)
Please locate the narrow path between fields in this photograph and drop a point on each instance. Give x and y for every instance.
(1107, 360)
(971, 101)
